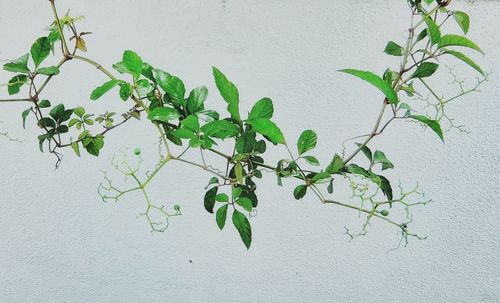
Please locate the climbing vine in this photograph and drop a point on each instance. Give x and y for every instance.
(183, 121)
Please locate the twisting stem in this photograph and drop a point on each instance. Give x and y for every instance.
(97, 65)
(58, 22)
(15, 100)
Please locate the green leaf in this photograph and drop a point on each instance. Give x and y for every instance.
(221, 129)
(393, 49)
(433, 30)
(209, 200)
(94, 144)
(422, 35)
(330, 187)
(47, 122)
(207, 115)
(242, 224)
(147, 71)
(455, 40)
(163, 114)
(57, 111)
(121, 68)
(40, 50)
(268, 129)
(465, 59)
(44, 104)
(101, 90)
(381, 181)
(262, 109)
(311, 160)
(238, 171)
(76, 148)
(384, 185)
(48, 71)
(425, 69)
(245, 203)
(20, 65)
(246, 142)
(236, 192)
(79, 111)
(24, 115)
(133, 63)
(221, 198)
(321, 177)
(379, 157)
(375, 81)
(125, 91)
(191, 123)
(41, 139)
(62, 129)
(221, 216)
(366, 150)
(462, 20)
(172, 85)
(196, 99)
(14, 85)
(300, 191)
(433, 124)
(212, 180)
(307, 141)
(183, 133)
(336, 165)
(229, 93)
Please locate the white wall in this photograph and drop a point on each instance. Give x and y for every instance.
(59, 243)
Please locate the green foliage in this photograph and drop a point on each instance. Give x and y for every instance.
(393, 49)
(242, 224)
(133, 63)
(262, 109)
(19, 65)
(462, 20)
(425, 70)
(433, 124)
(221, 216)
(465, 59)
(40, 50)
(14, 85)
(433, 31)
(48, 71)
(268, 129)
(229, 93)
(307, 141)
(375, 81)
(221, 129)
(456, 40)
(163, 114)
(101, 90)
(187, 125)
(172, 85)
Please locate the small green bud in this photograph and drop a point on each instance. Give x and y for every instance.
(177, 207)
(137, 151)
(384, 212)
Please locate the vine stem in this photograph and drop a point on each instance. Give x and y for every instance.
(362, 210)
(15, 100)
(58, 22)
(373, 133)
(94, 63)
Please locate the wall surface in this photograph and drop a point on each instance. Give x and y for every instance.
(60, 243)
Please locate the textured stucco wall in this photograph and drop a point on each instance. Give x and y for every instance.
(59, 243)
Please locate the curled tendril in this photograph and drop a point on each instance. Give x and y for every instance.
(436, 106)
(157, 215)
(8, 137)
(370, 204)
